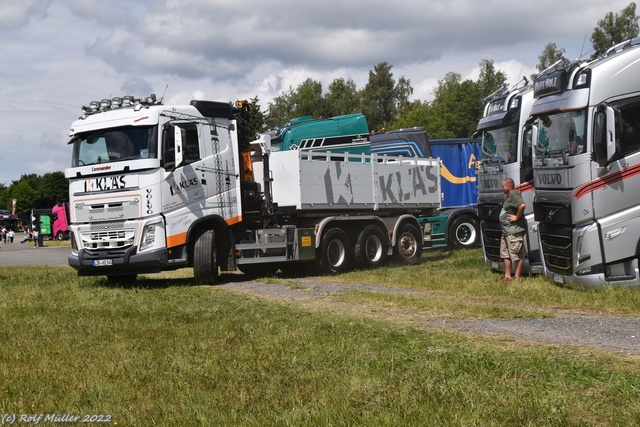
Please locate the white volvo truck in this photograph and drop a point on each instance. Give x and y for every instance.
(157, 187)
(586, 130)
(506, 153)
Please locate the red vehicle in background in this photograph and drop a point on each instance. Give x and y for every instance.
(60, 221)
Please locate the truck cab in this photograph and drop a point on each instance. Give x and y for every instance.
(587, 151)
(506, 153)
(139, 172)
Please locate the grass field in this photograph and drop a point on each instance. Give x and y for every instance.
(165, 352)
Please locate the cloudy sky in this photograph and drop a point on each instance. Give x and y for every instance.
(58, 55)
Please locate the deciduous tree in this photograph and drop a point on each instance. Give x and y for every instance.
(615, 28)
(381, 97)
(342, 97)
(549, 56)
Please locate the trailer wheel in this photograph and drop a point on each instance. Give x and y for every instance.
(463, 232)
(335, 252)
(205, 259)
(371, 247)
(409, 245)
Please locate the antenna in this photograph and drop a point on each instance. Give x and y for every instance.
(582, 48)
(165, 91)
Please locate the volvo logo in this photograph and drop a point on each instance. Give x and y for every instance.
(488, 183)
(550, 178)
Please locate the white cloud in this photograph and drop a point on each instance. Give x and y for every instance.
(15, 14)
(59, 55)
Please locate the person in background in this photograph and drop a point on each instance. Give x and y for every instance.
(35, 237)
(27, 235)
(514, 226)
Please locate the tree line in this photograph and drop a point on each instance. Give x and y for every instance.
(454, 111)
(457, 105)
(34, 191)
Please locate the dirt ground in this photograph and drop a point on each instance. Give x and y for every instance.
(609, 333)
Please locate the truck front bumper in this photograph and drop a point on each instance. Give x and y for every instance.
(118, 262)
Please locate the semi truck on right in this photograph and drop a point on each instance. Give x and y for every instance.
(585, 131)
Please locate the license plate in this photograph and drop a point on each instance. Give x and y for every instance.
(495, 265)
(558, 279)
(102, 262)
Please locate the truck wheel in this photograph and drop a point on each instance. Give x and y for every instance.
(463, 233)
(60, 236)
(335, 252)
(371, 248)
(205, 259)
(409, 245)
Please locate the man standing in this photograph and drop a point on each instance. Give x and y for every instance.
(514, 226)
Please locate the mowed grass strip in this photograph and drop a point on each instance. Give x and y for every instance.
(462, 274)
(165, 352)
(440, 306)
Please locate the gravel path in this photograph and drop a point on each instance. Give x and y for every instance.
(603, 332)
(609, 333)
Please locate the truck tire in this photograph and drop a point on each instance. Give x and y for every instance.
(59, 236)
(464, 233)
(335, 253)
(371, 247)
(205, 259)
(408, 247)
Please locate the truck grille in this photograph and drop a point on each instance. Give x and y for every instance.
(102, 226)
(96, 237)
(91, 212)
(552, 213)
(557, 247)
(489, 214)
(491, 233)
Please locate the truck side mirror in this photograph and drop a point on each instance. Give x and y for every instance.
(531, 136)
(178, 145)
(611, 133)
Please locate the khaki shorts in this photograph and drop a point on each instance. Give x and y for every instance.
(512, 246)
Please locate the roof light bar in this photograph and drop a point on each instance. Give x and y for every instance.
(127, 101)
(119, 102)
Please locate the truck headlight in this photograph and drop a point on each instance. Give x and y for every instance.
(74, 245)
(150, 232)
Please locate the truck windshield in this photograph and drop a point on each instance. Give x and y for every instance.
(500, 144)
(562, 132)
(115, 145)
